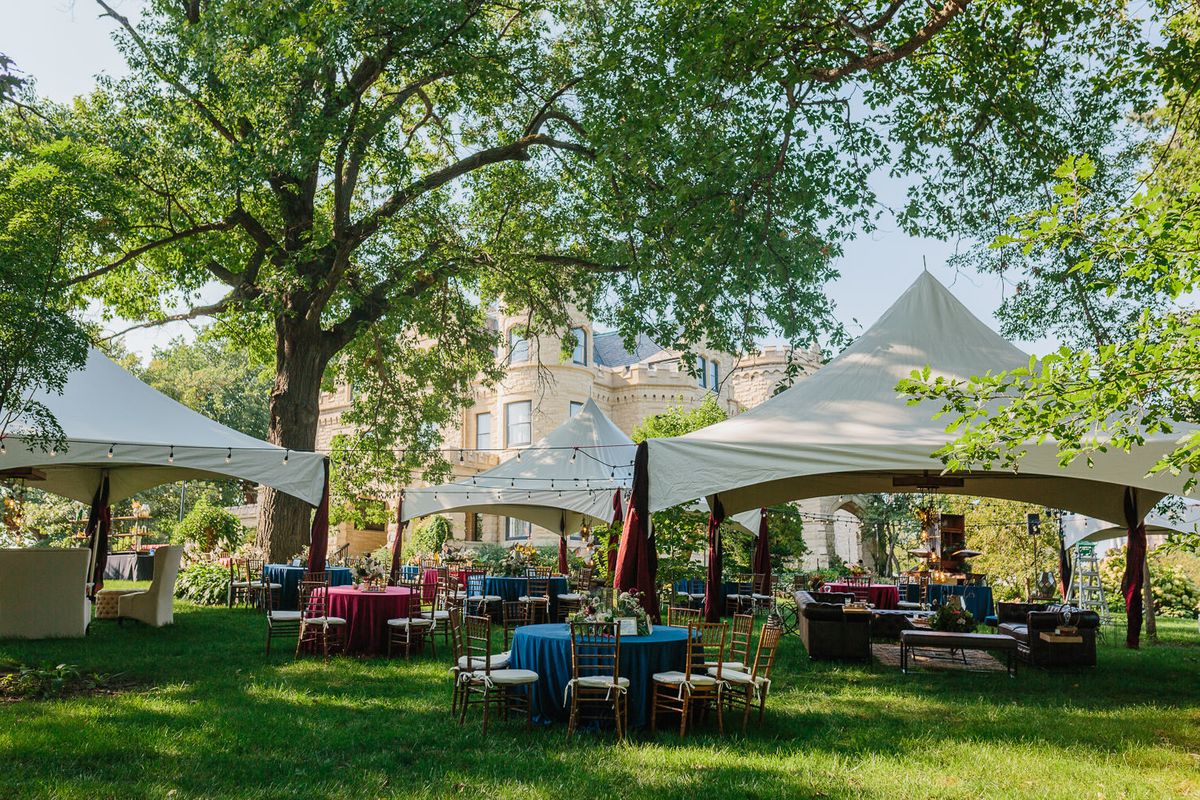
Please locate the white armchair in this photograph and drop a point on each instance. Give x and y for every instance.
(155, 606)
(42, 593)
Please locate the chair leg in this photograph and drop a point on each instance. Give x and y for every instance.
(683, 716)
(486, 704)
(654, 710)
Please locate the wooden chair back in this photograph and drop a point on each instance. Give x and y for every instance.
(923, 588)
(863, 580)
(706, 644)
(762, 585)
(476, 581)
(537, 587)
(595, 650)
(583, 579)
(321, 576)
(740, 634)
(764, 657)
(477, 642)
(254, 570)
(678, 617)
(538, 572)
(314, 601)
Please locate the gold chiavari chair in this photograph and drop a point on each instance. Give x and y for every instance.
(317, 627)
(740, 634)
(747, 688)
(694, 689)
(742, 596)
(514, 614)
(411, 630)
(680, 617)
(281, 623)
(239, 583)
(595, 679)
(481, 682)
(260, 587)
(537, 595)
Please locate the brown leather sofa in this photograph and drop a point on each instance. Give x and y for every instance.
(1025, 622)
(828, 632)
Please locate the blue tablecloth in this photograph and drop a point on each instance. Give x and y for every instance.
(410, 571)
(289, 577)
(546, 649)
(976, 599)
(509, 589)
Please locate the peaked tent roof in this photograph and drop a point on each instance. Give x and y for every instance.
(845, 429)
(567, 477)
(1079, 528)
(114, 422)
(587, 458)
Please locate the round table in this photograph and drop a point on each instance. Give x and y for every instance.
(509, 589)
(366, 615)
(880, 595)
(289, 578)
(546, 649)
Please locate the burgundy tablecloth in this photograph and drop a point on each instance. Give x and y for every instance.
(880, 595)
(366, 615)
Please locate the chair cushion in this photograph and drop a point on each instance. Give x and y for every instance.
(405, 622)
(739, 596)
(486, 598)
(499, 661)
(734, 665)
(285, 616)
(534, 599)
(324, 621)
(737, 676)
(674, 677)
(758, 596)
(600, 682)
(508, 677)
(907, 606)
(570, 596)
(439, 614)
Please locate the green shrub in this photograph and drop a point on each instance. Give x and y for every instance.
(203, 583)
(490, 555)
(44, 682)
(210, 527)
(1175, 594)
(428, 537)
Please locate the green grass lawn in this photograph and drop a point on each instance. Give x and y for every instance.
(217, 719)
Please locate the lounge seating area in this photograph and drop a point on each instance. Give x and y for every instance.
(1034, 626)
(829, 630)
(43, 593)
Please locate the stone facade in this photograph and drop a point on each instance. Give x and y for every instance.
(628, 387)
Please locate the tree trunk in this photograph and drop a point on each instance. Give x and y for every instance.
(1148, 599)
(284, 522)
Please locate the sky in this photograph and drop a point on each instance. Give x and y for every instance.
(64, 44)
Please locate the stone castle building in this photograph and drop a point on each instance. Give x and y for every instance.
(542, 389)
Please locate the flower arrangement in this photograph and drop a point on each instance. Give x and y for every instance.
(628, 604)
(518, 559)
(952, 617)
(371, 574)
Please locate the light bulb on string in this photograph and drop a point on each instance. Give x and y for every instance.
(229, 455)
(3, 447)
(461, 458)
(110, 450)
(286, 454)
(170, 455)
(518, 455)
(573, 452)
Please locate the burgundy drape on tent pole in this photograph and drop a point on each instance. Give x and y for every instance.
(563, 567)
(319, 542)
(98, 527)
(761, 564)
(398, 542)
(712, 585)
(1131, 581)
(635, 559)
(618, 518)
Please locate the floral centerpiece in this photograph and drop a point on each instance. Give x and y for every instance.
(371, 574)
(518, 559)
(952, 617)
(628, 605)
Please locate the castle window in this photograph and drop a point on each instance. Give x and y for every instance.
(518, 348)
(714, 376)
(517, 423)
(516, 530)
(702, 371)
(579, 354)
(483, 431)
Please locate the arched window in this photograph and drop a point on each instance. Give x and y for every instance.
(518, 348)
(579, 354)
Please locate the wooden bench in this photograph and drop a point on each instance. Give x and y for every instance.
(945, 640)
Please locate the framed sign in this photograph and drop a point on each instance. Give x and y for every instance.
(628, 626)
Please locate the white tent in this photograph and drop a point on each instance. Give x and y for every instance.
(845, 429)
(569, 477)
(1080, 528)
(116, 425)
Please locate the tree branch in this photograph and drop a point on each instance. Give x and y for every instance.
(940, 19)
(137, 252)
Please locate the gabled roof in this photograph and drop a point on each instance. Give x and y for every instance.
(114, 423)
(845, 429)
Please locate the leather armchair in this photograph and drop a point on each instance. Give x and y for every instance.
(1025, 622)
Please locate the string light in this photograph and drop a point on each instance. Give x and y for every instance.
(171, 455)
(286, 455)
(53, 452)
(229, 455)
(461, 458)
(3, 448)
(573, 452)
(110, 450)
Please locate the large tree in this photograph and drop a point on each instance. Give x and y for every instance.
(360, 178)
